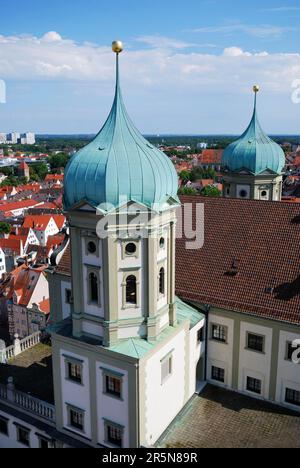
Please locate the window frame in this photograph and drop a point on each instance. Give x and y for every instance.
(162, 281)
(107, 374)
(290, 401)
(256, 388)
(219, 340)
(97, 272)
(44, 439)
(76, 362)
(217, 378)
(166, 361)
(256, 335)
(136, 254)
(87, 241)
(125, 304)
(68, 300)
(72, 409)
(27, 431)
(6, 422)
(112, 425)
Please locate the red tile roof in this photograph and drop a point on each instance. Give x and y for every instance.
(249, 261)
(54, 177)
(211, 156)
(22, 281)
(64, 266)
(13, 206)
(42, 221)
(11, 244)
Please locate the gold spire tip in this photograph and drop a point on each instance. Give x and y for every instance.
(256, 88)
(117, 47)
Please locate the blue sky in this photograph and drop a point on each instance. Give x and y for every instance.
(188, 66)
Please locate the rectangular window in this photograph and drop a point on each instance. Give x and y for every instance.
(3, 426)
(75, 372)
(219, 333)
(255, 342)
(23, 436)
(44, 443)
(166, 368)
(114, 435)
(113, 386)
(68, 293)
(290, 350)
(254, 385)
(76, 418)
(218, 374)
(292, 396)
(200, 335)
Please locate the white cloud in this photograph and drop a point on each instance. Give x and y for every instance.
(262, 31)
(28, 58)
(162, 42)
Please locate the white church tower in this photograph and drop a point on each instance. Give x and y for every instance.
(127, 360)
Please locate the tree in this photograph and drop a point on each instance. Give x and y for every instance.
(5, 228)
(38, 171)
(211, 191)
(184, 176)
(187, 191)
(58, 160)
(10, 181)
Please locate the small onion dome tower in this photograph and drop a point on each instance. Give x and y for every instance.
(252, 166)
(119, 164)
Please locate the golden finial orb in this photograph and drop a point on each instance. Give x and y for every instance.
(117, 47)
(256, 88)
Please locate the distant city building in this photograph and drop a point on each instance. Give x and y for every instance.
(15, 138)
(202, 145)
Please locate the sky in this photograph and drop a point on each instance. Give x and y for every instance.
(188, 67)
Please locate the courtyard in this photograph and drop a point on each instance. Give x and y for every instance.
(222, 419)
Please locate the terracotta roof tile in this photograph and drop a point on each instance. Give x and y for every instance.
(249, 261)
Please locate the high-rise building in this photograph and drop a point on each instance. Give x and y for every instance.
(30, 138)
(13, 138)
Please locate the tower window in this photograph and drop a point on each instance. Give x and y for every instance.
(264, 193)
(92, 247)
(130, 249)
(94, 291)
(162, 243)
(131, 295)
(162, 281)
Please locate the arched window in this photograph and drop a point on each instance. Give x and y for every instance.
(94, 292)
(162, 281)
(131, 296)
